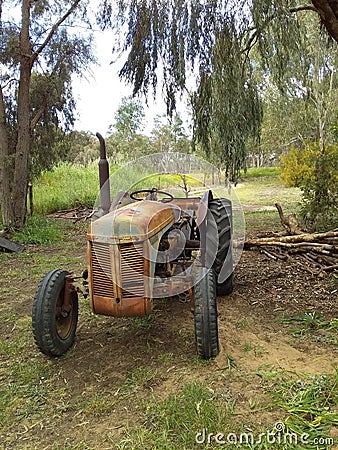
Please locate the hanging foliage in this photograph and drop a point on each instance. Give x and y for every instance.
(205, 46)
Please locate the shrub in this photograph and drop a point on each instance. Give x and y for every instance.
(315, 171)
(298, 165)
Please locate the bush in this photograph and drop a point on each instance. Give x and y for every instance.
(315, 171)
(298, 165)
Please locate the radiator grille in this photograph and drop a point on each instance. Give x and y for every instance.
(132, 270)
(101, 270)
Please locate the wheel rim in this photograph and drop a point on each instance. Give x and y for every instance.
(63, 319)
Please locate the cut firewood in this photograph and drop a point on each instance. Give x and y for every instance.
(273, 255)
(269, 254)
(304, 237)
(318, 251)
(290, 223)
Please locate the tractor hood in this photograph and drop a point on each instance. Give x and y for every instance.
(134, 222)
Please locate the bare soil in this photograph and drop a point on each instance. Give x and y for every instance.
(107, 351)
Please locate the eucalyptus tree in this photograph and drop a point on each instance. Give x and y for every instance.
(126, 140)
(40, 49)
(305, 109)
(129, 118)
(169, 135)
(211, 40)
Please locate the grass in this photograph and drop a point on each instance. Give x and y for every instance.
(173, 422)
(39, 230)
(311, 324)
(310, 403)
(259, 172)
(157, 404)
(71, 186)
(197, 417)
(66, 186)
(267, 191)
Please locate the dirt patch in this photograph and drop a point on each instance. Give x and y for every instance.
(118, 365)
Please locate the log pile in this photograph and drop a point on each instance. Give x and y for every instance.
(318, 251)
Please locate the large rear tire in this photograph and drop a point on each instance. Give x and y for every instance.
(219, 238)
(205, 314)
(53, 328)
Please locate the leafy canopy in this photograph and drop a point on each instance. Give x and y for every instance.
(57, 52)
(203, 47)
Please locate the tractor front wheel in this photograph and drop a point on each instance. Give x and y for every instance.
(53, 326)
(205, 314)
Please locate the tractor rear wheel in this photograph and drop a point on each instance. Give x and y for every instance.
(54, 328)
(205, 314)
(220, 231)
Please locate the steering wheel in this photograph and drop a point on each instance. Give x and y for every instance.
(152, 193)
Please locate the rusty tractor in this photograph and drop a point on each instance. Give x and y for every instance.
(143, 245)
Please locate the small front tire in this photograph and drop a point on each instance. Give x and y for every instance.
(205, 314)
(53, 328)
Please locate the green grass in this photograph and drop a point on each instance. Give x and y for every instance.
(306, 404)
(266, 192)
(39, 230)
(69, 186)
(172, 423)
(311, 324)
(65, 187)
(258, 172)
(310, 404)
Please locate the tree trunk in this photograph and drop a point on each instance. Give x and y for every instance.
(5, 170)
(19, 193)
(328, 12)
(14, 180)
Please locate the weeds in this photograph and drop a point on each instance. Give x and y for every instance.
(39, 230)
(173, 422)
(310, 403)
(306, 406)
(65, 187)
(309, 322)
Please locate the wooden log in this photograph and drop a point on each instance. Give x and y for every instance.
(299, 238)
(290, 223)
(9, 246)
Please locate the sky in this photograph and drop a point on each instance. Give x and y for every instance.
(98, 95)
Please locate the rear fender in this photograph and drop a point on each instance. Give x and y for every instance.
(203, 207)
(201, 221)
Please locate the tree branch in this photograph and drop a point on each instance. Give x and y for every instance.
(36, 118)
(40, 111)
(11, 80)
(253, 38)
(328, 12)
(54, 29)
(303, 8)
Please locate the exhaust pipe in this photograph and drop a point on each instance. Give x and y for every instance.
(104, 176)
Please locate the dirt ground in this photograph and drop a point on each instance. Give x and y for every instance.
(107, 350)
